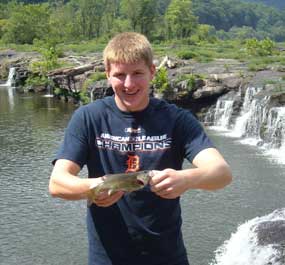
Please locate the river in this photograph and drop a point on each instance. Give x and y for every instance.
(40, 230)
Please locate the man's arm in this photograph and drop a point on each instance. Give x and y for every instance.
(64, 183)
(211, 172)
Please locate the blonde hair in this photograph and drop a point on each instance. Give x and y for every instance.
(128, 47)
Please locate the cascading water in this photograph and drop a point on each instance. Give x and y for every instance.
(259, 241)
(252, 115)
(9, 85)
(220, 116)
(49, 89)
(258, 122)
(11, 78)
(223, 113)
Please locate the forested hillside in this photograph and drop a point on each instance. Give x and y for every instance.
(275, 3)
(161, 20)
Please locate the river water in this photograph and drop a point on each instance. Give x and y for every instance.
(37, 229)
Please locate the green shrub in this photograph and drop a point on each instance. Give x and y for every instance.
(186, 55)
(160, 81)
(97, 76)
(260, 48)
(78, 96)
(191, 80)
(37, 80)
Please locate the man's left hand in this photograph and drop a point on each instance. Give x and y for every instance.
(168, 183)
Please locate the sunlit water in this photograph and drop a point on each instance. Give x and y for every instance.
(36, 229)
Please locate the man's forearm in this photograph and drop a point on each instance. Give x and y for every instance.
(208, 177)
(68, 186)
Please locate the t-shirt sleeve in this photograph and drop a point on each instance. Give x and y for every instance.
(194, 138)
(75, 144)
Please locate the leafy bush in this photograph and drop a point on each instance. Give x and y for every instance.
(40, 68)
(160, 81)
(191, 80)
(97, 76)
(77, 96)
(260, 48)
(37, 80)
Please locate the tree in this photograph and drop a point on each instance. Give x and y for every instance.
(90, 15)
(141, 14)
(26, 23)
(110, 19)
(180, 19)
(63, 23)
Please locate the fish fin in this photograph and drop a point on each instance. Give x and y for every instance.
(89, 198)
(91, 194)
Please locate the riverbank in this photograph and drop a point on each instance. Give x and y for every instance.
(221, 92)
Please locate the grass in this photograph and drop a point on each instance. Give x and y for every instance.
(83, 47)
(261, 63)
(17, 47)
(201, 52)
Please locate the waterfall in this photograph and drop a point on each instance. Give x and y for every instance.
(259, 241)
(257, 123)
(221, 115)
(49, 93)
(9, 86)
(223, 111)
(11, 78)
(252, 115)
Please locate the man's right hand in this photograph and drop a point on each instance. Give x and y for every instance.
(105, 200)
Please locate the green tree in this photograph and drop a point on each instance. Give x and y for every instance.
(149, 13)
(26, 23)
(260, 48)
(242, 33)
(90, 16)
(63, 23)
(141, 14)
(110, 19)
(180, 20)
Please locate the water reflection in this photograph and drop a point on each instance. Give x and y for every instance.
(11, 91)
(7, 97)
(31, 223)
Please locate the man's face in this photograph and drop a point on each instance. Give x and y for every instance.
(130, 82)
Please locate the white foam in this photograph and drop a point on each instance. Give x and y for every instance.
(242, 248)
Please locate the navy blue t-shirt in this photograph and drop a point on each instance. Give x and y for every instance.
(141, 228)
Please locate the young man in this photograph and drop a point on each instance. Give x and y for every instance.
(132, 132)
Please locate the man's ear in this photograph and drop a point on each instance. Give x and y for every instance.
(108, 77)
(152, 70)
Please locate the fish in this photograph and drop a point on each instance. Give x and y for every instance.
(126, 182)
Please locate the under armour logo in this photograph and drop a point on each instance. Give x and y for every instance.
(133, 163)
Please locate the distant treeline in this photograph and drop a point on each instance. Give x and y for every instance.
(191, 21)
(276, 3)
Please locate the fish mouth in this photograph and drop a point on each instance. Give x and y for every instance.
(141, 183)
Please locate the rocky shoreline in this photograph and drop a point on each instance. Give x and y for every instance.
(221, 93)
(211, 80)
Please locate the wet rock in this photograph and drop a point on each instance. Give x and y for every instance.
(271, 232)
(100, 89)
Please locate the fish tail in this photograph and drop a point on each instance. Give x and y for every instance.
(89, 203)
